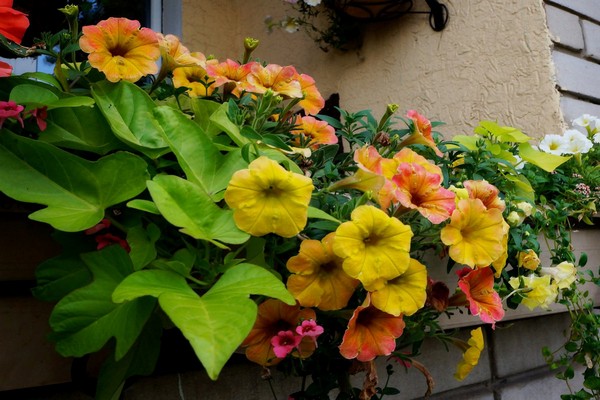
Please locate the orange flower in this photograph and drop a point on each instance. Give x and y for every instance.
(312, 102)
(478, 287)
(422, 191)
(370, 333)
(231, 72)
(474, 234)
(195, 77)
(318, 279)
(421, 132)
(486, 192)
(276, 78)
(13, 23)
(120, 49)
(174, 54)
(318, 132)
(273, 317)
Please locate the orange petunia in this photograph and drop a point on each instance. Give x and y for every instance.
(420, 190)
(230, 72)
(195, 78)
(474, 234)
(13, 23)
(370, 333)
(312, 102)
(273, 317)
(120, 49)
(174, 54)
(486, 192)
(478, 287)
(281, 80)
(318, 279)
(421, 132)
(317, 132)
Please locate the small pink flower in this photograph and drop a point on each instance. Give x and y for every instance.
(284, 343)
(309, 328)
(10, 109)
(40, 115)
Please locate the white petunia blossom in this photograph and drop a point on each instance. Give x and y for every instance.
(553, 144)
(585, 120)
(577, 142)
(312, 3)
(564, 274)
(596, 138)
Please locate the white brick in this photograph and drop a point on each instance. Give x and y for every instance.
(564, 27)
(591, 34)
(585, 7)
(573, 108)
(577, 75)
(544, 387)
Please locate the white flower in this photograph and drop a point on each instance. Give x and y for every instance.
(585, 120)
(577, 142)
(290, 25)
(525, 207)
(514, 219)
(564, 274)
(596, 138)
(553, 144)
(312, 3)
(519, 163)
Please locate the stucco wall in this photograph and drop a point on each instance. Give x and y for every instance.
(492, 61)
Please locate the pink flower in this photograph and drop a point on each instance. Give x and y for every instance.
(10, 109)
(40, 115)
(309, 328)
(284, 343)
(105, 223)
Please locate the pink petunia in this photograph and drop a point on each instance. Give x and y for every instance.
(284, 343)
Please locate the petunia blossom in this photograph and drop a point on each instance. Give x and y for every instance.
(315, 131)
(471, 355)
(174, 54)
(528, 259)
(370, 333)
(542, 291)
(564, 274)
(421, 132)
(312, 102)
(474, 234)
(230, 73)
(284, 343)
(318, 279)
(121, 49)
(195, 77)
(478, 287)
(13, 23)
(266, 198)
(405, 294)
(374, 246)
(281, 80)
(275, 316)
(5, 69)
(486, 192)
(10, 109)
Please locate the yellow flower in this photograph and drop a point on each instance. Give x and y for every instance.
(564, 274)
(318, 279)
(474, 234)
(542, 292)
(375, 247)
(471, 355)
(266, 198)
(174, 54)
(405, 294)
(528, 259)
(120, 49)
(195, 77)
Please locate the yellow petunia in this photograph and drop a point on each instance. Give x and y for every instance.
(405, 294)
(474, 234)
(266, 198)
(120, 49)
(542, 291)
(374, 246)
(471, 355)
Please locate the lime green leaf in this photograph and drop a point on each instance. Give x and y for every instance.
(317, 213)
(59, 276)
(521, 187)
(547, 162)
(35, 96)
(199, 158)
(128, 110)
(221, 120)
(187, 206)
(143, 205)
(216, 323)
(203, 109)
(75, 190)
(142, 241)
(84, 320)
(470, 142)
(502, 133)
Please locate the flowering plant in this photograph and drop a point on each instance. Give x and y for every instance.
(212, 197)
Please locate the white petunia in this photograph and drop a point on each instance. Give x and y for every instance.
(584, 120)
(576, 142)
(553, 144)
(597, 138)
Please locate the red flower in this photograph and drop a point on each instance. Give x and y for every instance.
(106, 239)
(284, 343)
(13, 23)
(5, 69)
(10, 109)
(437, 295)
(478, 287)
(40, 115)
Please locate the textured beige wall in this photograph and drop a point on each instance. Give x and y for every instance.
(491, 62)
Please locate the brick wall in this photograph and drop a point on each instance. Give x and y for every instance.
(575, 31)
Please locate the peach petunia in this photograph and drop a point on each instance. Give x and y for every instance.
(421, 132)
(121, 49)
(405, 294)
(266, 198)
(422, 191)
(312, 102)
(374, 246)
(195, 78)
(315, 131)
(281, 80)
(486, 192)
(370, 333)
(174, 54)
(318, 279)
(471, 356)
(230, 73)
(13, 23)
(478, 287)
(474, 234)
(273, 317)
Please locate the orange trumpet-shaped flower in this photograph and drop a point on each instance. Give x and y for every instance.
(478, 287)
(312, 101)
(273, 317)
(421, 132)
(318, 132)
(13, 23)
(121, 49)
(486, 192)
(474, 234)
(370, 333)
(195, 77)
(318, 279)
(231, 72)
(174, 54)
(281, 80)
